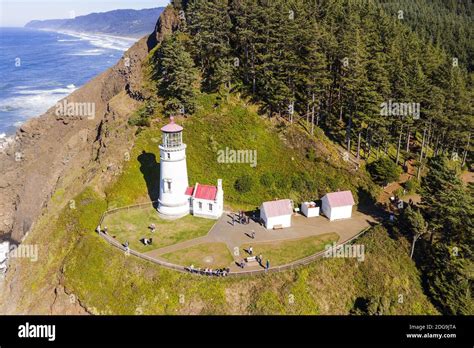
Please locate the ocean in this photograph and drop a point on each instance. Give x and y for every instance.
(38, 68)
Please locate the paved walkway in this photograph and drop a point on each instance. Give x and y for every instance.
(302, 227)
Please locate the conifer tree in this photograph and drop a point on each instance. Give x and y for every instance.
(176, 75)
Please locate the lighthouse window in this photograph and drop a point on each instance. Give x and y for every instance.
(168, 155)
(173, 139)
(167, 185)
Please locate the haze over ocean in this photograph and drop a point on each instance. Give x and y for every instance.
(38, 68)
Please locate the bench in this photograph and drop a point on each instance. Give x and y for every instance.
(278, 227)
(251, 259)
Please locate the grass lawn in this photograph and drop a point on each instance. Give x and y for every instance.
(132, 225)
(210, 255)
(283, 252)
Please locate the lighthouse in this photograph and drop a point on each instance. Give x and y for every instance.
(173, 201)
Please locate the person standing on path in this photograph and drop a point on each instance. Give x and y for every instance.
(250, 251)
(253, 234)
(268, 265)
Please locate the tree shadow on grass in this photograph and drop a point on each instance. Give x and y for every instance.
(151, 173)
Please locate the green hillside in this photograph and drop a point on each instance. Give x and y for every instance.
(289, 162)
(262, 105)
(107, 281)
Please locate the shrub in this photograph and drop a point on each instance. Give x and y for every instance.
(267, 179)
(281, 181)
(398, 192)
(384, 170)
(311, 154)
(141, 117)
(297, 182)
(243, 184)
(412, 186)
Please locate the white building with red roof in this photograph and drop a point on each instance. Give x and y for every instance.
(337, 205)
(176, 198)
(206, 200)
(276, 214)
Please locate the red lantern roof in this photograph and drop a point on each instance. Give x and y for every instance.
(172, 127)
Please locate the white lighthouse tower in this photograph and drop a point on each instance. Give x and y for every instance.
(173, 201)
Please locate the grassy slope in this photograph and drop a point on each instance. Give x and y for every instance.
(196, 255)
(283, 252)
(132, 226)
(99, 274)
(108, 281)
(217, 125)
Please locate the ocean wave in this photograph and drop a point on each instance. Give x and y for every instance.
(29, 103)
(49, 91)
(69, 40)
(93, 52)
(5, 141)
(104, 41)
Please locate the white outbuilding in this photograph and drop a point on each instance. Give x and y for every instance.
(276, 214)
(206, 201)
(337, 205)
(309, 209)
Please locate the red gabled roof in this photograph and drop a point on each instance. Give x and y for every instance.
(189, 191)
(278, 208)
(340, 199)
(207, 192)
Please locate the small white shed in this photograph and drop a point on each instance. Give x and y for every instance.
(309, 209)
(337, 205)
(276, 214)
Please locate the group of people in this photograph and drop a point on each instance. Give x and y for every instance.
(149, 241)
(221, 272)
(240, 218)
(258, 258)
(98, 229)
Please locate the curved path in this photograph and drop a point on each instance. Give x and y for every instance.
(236, 236)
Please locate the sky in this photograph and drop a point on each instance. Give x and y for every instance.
(16, 13)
